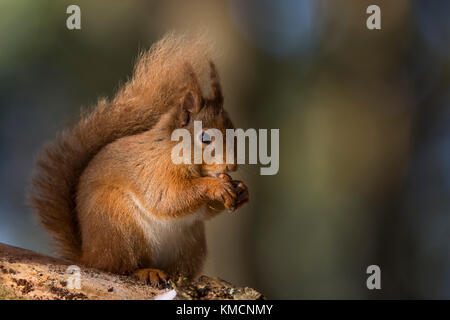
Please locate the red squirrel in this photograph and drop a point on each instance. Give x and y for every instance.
(107, 190)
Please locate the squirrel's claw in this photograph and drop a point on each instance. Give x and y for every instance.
(242, 193)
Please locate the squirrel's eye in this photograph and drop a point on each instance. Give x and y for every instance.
(206, 138)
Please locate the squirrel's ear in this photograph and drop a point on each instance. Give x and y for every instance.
(192, 102)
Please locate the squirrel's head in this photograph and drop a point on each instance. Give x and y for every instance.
(194, 107)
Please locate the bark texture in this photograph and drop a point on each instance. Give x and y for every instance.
(28, 275)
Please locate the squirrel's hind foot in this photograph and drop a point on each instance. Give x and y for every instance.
(154, 277)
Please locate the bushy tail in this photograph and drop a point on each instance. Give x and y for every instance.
(157, 83)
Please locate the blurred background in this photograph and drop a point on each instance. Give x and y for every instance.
(364, 119)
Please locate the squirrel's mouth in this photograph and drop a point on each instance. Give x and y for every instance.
(215, 174)
(218, 171)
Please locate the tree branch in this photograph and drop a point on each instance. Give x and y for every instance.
(28, 275)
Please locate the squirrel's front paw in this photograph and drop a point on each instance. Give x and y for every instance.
(240, 189)
(224, 192)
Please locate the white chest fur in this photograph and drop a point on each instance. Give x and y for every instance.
(166, 238)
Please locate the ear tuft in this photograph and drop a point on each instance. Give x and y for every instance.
(216, 88)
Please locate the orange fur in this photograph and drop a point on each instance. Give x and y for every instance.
(107, 189)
